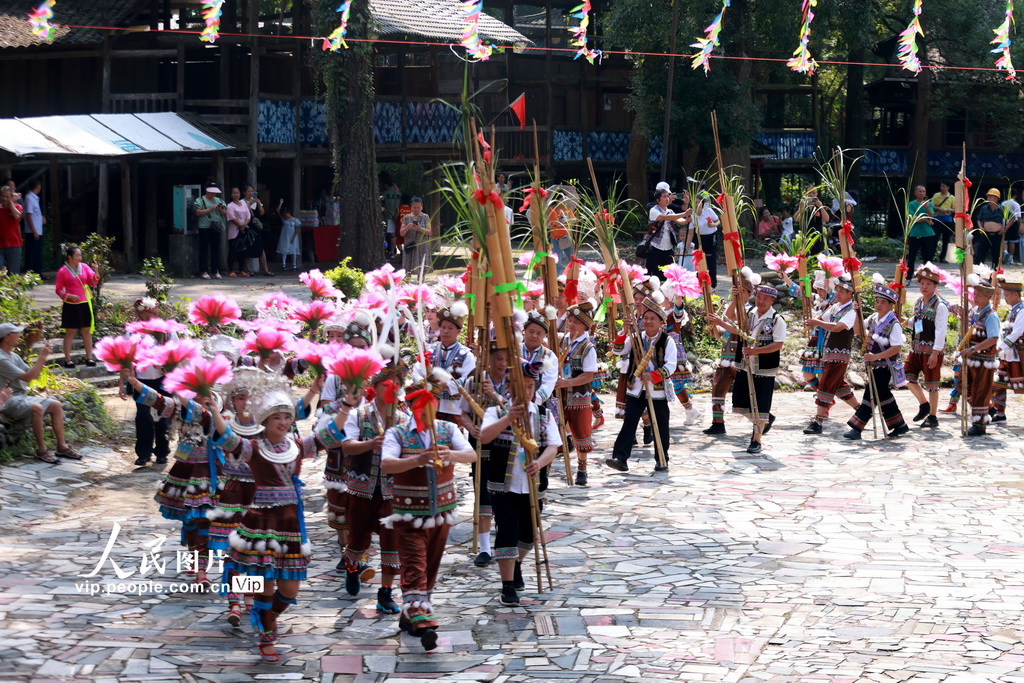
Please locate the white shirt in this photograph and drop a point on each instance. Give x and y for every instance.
(392, 449)
(787, 227)
(703, 226)
(546, 384)
(1011, 333)
(155, 372)
(1010, 207)
(849, 318)
(941, 324)
(589, 360)
(671, 360)
(662, 238)
(509, 216)
(34, 214)
(896, 337)
(519, 483)
(450, 406)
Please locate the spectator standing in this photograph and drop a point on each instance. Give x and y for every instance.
(238, 236)
(988, 240)
(944, 205)
(10, 231)
(74, 283)
(259, 246)
(404, 209)
(501, 185)
(210, 215)
(288, 243)
(16, 374)
(812, 216)
(392, 198)
(707, 227)
(662, 229)
(921, 238)
(34, 223)
(416, 233)
(787, 225)
(560, 222)
(1011, 211)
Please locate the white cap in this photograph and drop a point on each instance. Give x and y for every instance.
(663, 186)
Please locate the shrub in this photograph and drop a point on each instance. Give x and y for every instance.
(16, 303)
(885, 248)
(96, 250)
(349, 280)
(158, 282)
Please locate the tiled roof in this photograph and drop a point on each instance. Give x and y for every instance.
(15, 32)
(437, 19)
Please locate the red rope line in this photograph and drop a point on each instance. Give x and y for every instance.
(536, 49)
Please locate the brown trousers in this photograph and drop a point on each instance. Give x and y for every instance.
(721, 383)
(979, 393)
(364, 515)
(420, 551)
(832, 385)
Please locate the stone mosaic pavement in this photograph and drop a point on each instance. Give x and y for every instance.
(817, 560)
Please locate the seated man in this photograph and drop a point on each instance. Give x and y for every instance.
(16, 374)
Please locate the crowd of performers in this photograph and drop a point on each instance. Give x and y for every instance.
(394, 418)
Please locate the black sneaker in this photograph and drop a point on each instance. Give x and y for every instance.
(922, 412)
(581, 477)
(617, 464)
(661, 468)
(509, 597)
(385, 603)
(142, 461)
(716, 428)
(754, 447)
(482, 560)
(428, 639)
(976, 431)
(517, 577)
(930, 422)
(341, 566)
(648, 435)
(352, 583)
(768, 427)
(998, 418)
(813, 428)
(160, 460)
(852, 435)
(899, 431)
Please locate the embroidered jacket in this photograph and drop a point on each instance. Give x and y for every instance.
(423, 491)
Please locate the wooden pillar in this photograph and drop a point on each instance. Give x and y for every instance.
(55, 222)
(102, 198)
(152, 245)
(105, 80)
(126, 212)
(435, 206)
(254, 93)
(296, 203)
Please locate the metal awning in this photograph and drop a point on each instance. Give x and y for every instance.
(106, 135)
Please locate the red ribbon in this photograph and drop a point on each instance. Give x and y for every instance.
(528, 197)
(371, 393)
(698, 256)
(390, 394)
(851, 264)
(1000, 271)
(418, 401)
(704, 278)
(734, 239)
(609, 280)
(572, 294)
(720, 199)
(903, 267)
(847, 230)
(898, 285)
(966, 217)
(494, 198)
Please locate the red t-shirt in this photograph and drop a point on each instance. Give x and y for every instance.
(10, 229)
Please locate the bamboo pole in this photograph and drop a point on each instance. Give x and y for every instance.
(963, 245)
(734, 262)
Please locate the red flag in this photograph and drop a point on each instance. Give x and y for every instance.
(518, 107)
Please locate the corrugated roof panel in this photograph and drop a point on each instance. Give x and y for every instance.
(182, 132)
(437, 19)
(139, 133)
(69, 136)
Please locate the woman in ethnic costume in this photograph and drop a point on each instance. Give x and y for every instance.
(271, 540)
(189, 489)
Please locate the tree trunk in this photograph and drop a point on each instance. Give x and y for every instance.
(348, 90)
(853, 125)
(918, 159)
(636, 160)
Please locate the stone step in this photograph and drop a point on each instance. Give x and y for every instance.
(57, 345)
(104, 384)
(83, 371)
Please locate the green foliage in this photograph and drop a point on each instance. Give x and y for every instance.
(96, 251)
(347, 278)
(158, 282)
(16, 303)
(112, 317)
(885, 248)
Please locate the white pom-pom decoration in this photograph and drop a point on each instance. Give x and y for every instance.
(459, 309)
(441, 375)
(386, 350)
(658, 297)
(755, 278)
(655, 281)
(746, 272)
(550, 312)
(520, 316)
(973, 280)
(878, 279)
